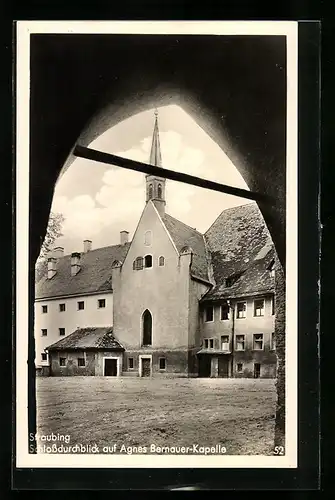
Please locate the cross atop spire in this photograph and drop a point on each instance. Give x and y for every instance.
(155, 152)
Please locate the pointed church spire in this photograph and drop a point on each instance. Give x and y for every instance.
(155, 185)
(155, 153)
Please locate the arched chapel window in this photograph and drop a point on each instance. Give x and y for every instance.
(150, 191)
(147, 238)
(159, 191)
(146, 328)
(161, 261)
(138, 263)
(148, 261)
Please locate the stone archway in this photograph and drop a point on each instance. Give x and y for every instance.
(233, 87)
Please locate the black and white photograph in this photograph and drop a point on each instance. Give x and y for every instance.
(157, 235)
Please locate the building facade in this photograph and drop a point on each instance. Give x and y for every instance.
(172, 302)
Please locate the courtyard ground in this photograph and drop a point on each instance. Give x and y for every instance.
(235, 413)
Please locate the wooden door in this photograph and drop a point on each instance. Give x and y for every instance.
(146, 369)
(110, 367)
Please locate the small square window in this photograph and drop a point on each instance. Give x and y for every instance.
(131, 363)
(206, 343)
(62, 361)
(44, 356)
(61, 331)
(239, 367)
(259, 307)
(101, 303)
(61, 307)
(81, 361)
(211, 343)
(241, 310)
(258, 342)
(44, 309)
(44, 332)
(240, 342)
(224, 312)
(209, 313)
(162, 363)
(138, 264)
(80, 305)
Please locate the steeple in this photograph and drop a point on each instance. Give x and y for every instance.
(155, 185)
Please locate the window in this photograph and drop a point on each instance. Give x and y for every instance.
(101, 303)
(44, 332)
(239, 367)
(148, 261)
(162, 363)
(81, 361)
(259, 307)
(240, 342)
(159, 191)
(138, 263)
(80, 305)
(148, 238)
(131, 363)
(62, 331)
(161, 261)
(44, 356)
(271, 269)
(62, 361)
(209, 313)
(241, 310)
(273, 341)
(44, 309)
(61, 307)
(225, 342)
(258, 342)
(273, 305)
(146, 328)
(224, 314)
(209, 343)
(150, 191)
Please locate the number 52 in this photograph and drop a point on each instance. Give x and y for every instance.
(279, 450)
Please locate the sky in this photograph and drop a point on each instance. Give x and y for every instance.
(98, 201)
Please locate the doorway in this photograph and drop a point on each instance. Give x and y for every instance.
(223, 367)
(204, 366)
(110, 369)
(257, 370)
(145, 366)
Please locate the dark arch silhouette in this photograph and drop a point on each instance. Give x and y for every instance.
(159, 191)
(244, 112)
(146, 328)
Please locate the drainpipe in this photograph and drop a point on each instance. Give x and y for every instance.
(232, 309)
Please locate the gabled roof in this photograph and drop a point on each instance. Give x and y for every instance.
(184, 235)
(88, 338)
(234, 240)
(95, 273)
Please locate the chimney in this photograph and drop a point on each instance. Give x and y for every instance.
(87, 246)
(124, 237)
(75, 263)
(58, 252)
(51, 268)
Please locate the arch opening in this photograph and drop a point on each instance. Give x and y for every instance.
(146, 328)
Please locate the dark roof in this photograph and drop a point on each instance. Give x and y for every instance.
(234, 239)
(255, 280)
(88, 338)
(95, 273)
(184, 235)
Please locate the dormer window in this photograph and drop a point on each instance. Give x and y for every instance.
(148, 261)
